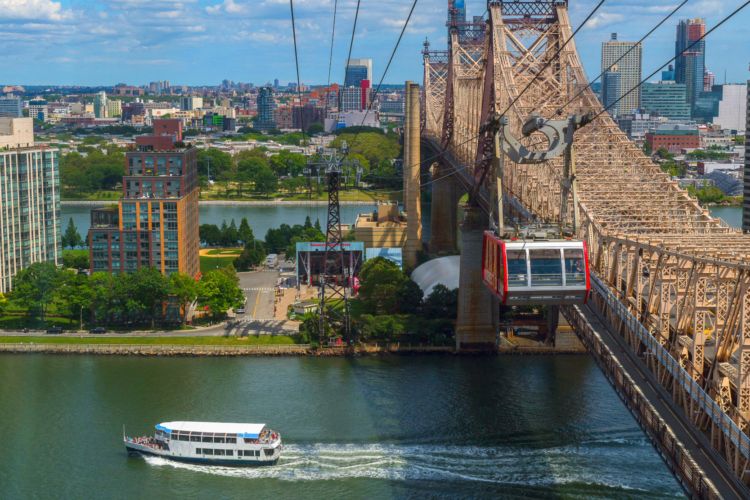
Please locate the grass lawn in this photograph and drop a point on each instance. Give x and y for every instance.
(95, 196)
(218, 252)
(197, 341)
(211, 263)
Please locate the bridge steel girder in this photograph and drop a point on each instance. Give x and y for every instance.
(684, 274)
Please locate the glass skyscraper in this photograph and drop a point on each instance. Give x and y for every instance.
(690, 66)
(614, 59)
(356, 71)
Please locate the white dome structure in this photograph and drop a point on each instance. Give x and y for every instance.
(442, 271)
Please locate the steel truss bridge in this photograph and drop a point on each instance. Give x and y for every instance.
(672, 283)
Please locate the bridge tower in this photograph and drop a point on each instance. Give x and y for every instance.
(412, 178)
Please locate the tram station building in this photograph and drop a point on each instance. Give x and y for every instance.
(311, 259)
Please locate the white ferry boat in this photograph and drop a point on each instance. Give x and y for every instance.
(209, 443)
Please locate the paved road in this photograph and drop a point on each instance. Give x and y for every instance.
(714, 467)
(259, 291)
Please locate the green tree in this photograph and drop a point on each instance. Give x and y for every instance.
(74, 294)
(210, 234)
(441, 303)
(185, 289)
(219, 290)
(287, 163)
(315, 128)
(76, 259)
(151, 290)
(72, 237)
(34, 287)
(219, 162)
(245, 232)
(380, 281)
(252, 255)
(266, 181)
(409, 297)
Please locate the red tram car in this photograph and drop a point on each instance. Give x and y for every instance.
(536, 272)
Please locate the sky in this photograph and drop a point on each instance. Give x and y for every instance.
(202, 42)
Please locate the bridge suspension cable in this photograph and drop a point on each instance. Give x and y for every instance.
(554, 57)
(687, 49)
(658, 25)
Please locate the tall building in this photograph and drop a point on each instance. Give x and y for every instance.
(190, 103)
(690, 67)
(668, 74)
(114, 108)
(746, 193)
(732, 108)
(356, 71)
(38, 109)
(351, 99)
(709, 79)
(266, 105)
(30, 201)
(665, 99)
(156, 221)
(629, 68)
(611, 89)
(11, 107)
(100, 105)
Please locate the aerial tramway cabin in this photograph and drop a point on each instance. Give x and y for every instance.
(532, 272)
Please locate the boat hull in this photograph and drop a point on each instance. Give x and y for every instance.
(135, 450)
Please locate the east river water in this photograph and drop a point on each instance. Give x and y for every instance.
(391, 427)
(352, 428)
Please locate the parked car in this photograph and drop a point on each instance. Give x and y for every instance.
(98, 329)
(55, 329)
(240, 310)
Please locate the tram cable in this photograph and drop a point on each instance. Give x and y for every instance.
(330, 56)
(632, 48)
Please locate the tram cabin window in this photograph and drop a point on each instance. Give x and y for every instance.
(546, 267)
(517, 268)
(575, 267)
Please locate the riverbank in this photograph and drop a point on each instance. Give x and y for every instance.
(231, 203)
(233, 347)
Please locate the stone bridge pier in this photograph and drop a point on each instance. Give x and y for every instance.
(446, 194)
(478, 310)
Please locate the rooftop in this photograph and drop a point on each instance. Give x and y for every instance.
(242, 430)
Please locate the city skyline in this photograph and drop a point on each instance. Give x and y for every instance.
(203, 42)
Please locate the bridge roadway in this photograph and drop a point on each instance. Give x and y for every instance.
(719, 479)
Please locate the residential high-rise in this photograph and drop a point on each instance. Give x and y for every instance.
(356, 71)
(30, 198)
(746, 193)
(665, 99)
(156, 221)
(38, 109)
(629, 68)
(100, 105)
(709, 79)
(690, 66)
(11, 107)
(114, 108)
(266, 105)
(351, 99)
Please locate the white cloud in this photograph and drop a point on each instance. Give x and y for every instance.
(228, 6)
(604, 19)
(33, 9)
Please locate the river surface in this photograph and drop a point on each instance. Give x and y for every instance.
(352, 428)
(260, 218)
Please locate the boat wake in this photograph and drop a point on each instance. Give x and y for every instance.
(540, 467)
